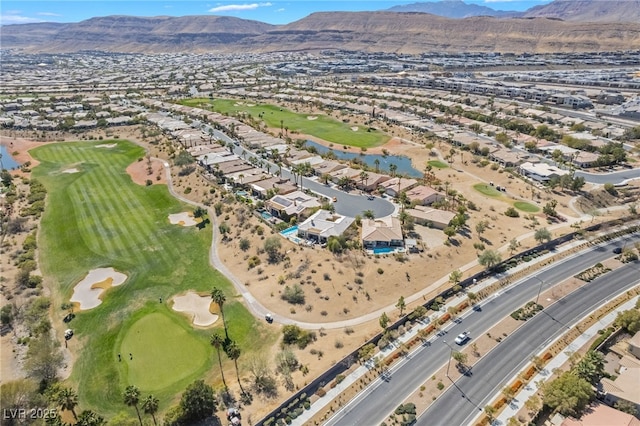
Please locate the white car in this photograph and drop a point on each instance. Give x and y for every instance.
(462, 338)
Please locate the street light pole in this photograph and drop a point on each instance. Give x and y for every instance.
(450, 356)
(539, 288)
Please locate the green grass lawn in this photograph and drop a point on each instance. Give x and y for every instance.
(486, 189)
(99, 217)
(526, 207)
(323, 127)
(437, 164)
(163, 351)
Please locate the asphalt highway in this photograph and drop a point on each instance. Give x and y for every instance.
(377, 401)
(462, 402)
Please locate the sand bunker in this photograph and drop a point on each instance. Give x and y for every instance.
(107, 145)
(88, 291)
(312, 117)
(196, 306)
(184, 219)
(74, 170)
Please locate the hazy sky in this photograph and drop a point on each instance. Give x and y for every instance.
(273, 12)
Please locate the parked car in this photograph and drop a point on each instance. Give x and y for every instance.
(462, 338)
(370, 197)
(617, 250)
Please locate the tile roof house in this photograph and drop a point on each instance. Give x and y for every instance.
(323, 224)
(424, 195)
(439, 219)
(601, 415)
(280, 185)
(291, 204)
(396, 185)
(382, 232)
(625, 386)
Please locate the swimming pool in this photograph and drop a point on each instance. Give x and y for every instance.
(290, 232)
(384, 250)
(266, 215)
(242, 193)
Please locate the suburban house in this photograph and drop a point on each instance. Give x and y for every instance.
(507, 158)
(427, 216)
(597, 415)
(383, 232)
(540, 172)
(424, 195)
(326, 167)
(278, 185)
(294, 203)
(347, 172)
(323, 224)
(625, 386)
(585, 159)
(396, 185)
(371, 182)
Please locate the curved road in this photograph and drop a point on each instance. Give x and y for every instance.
(348, 204)
(375, 403)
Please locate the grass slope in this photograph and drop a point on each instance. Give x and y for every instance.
(322, 127)
(99, 217)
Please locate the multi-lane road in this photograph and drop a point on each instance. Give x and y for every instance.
(375, 403)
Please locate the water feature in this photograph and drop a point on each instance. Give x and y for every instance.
(402, 163)
(7, 160)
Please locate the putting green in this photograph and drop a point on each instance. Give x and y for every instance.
(486, 189)
(437, 164)
(526, 207)
(163, 352)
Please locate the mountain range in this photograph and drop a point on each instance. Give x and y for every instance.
(379, 31)
(568, 10)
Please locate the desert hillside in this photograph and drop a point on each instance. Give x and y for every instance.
(366, 31)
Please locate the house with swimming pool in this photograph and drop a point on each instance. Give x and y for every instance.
(323, 224)
(382, 233)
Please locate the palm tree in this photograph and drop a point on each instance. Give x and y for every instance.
(392, 169)
(217, 341)
(233, 352)
(219, 298)
(68, 400)
(150, 406)
(363, 178)
(131, 398)
(377, 163)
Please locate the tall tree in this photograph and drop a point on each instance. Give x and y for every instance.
(131, 398)
(89, 418)
(591, 367)
(67, 399)
(150, 406)
(217, 341)
(384, 321)
(568, 395)
(217, 295)
(234, 352)
(198, 402)
(489, 258)
(401, 305)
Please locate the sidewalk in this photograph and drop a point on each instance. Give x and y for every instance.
(558, 361)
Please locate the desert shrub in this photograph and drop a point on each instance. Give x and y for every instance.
(293, 295)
